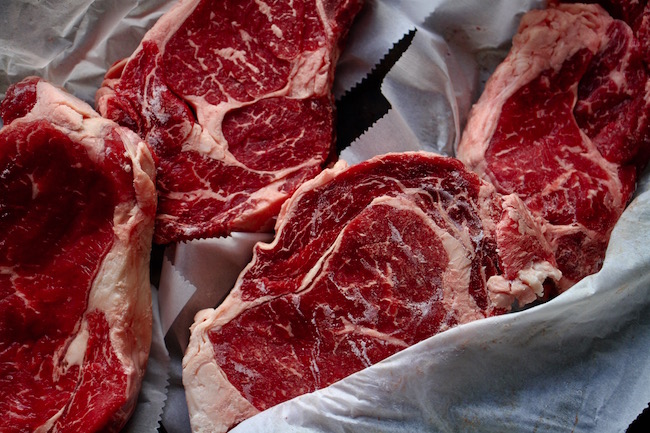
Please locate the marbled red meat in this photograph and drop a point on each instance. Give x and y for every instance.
(564, 122)
(77, 206)
(235, 99)
(367, 260)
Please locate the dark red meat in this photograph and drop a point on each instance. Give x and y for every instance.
(564, 123)
(76, 223)
(235, 99)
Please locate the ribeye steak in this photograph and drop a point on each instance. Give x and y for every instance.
(235, 99)
(564, 123)
(367, 260)
(77, 208)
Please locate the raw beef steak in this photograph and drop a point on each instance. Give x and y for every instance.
(235, 99)
(367, 261)
(564, 123)
(77, 206)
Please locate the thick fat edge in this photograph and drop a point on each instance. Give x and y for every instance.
(121, 289)
(528, 286)
(214, 404)
(127, 304)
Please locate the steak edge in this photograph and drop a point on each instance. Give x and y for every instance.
(564, 122)
(78, 205)
(235, 100)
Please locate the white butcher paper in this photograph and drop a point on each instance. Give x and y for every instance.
(71, 43)
(378, 26)
(580, 362)
(433, 84)
(199, 274)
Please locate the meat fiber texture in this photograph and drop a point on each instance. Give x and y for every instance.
(235, 99)
(366, 261)
(564, 122)
(77, 198)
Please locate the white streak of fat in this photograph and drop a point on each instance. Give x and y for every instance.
(77, 348)
(315, 371)
(18, 293)
(353, 293)
(35, 189)
(415, 256)
(261, 287)
(9, 270)
(611, 184)
(251, 374)
(309, 280)
(237, 56)
(152, 106)
(350, 327)
(618, 78)
(265, 9)
(322, 13)
(47, 425)
(277, 31)
(315, 353)
(242, 369)
(360, 352)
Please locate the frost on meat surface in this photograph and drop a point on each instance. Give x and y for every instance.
(564, 123)
(367, 261)
(235, 99)
(77, 199)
